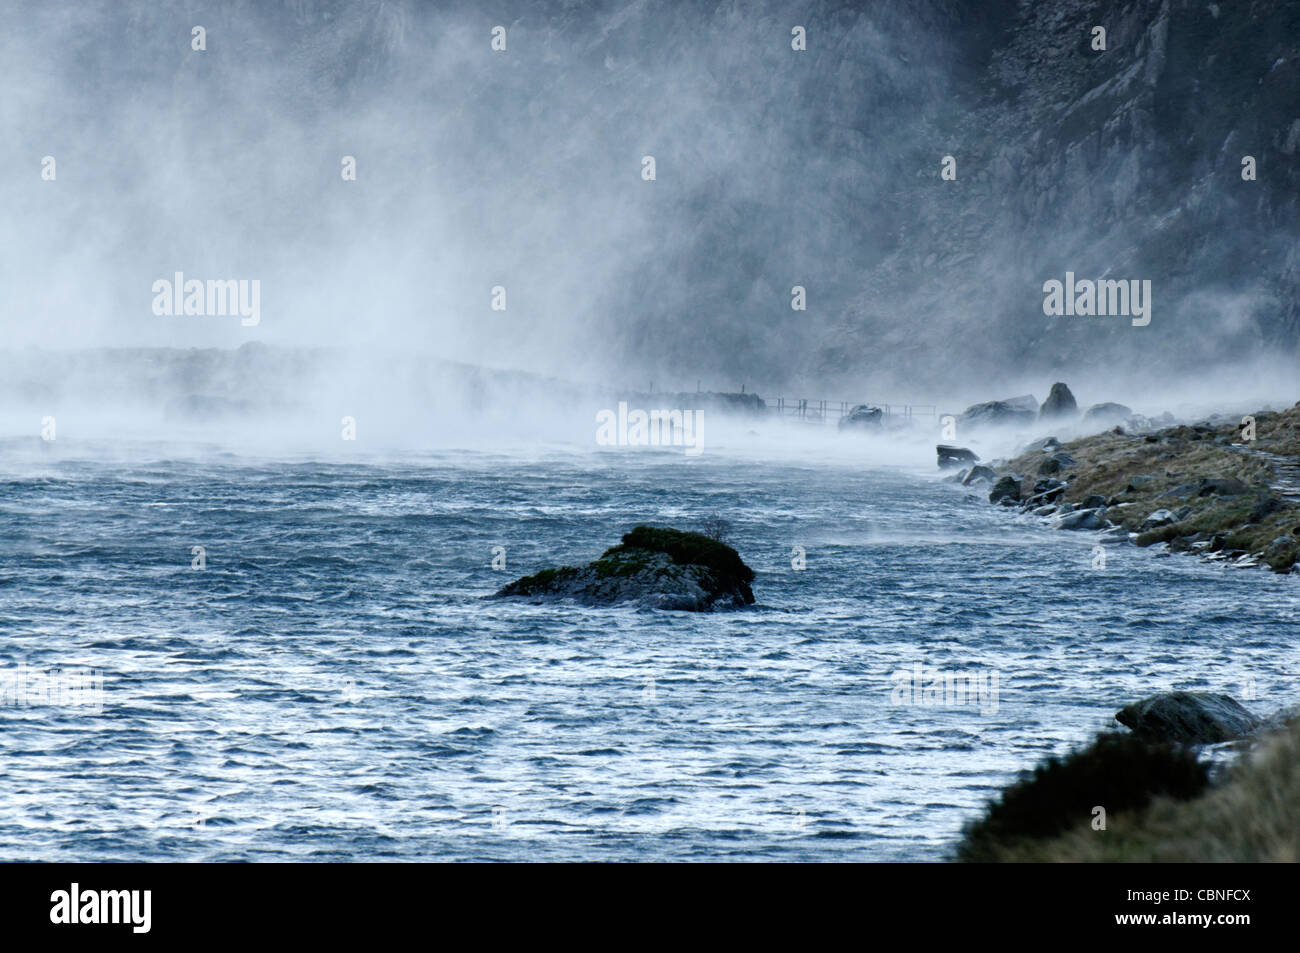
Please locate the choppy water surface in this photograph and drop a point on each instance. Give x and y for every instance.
(334, 686)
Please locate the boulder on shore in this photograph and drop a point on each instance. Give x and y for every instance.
(1056, 463)
(1083, 519)
(1188, 718)
(1106, 415)
(1046, 445)
(1060, 404)
(1014, 411)
(863, 417)
(656, 567)
(1222, 486)
(1006, 491)
(950, 457)
(1159, 518)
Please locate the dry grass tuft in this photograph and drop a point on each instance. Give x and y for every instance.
(1253, 815)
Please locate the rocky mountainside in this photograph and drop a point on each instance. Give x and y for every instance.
(1125, 163)
(776, 167)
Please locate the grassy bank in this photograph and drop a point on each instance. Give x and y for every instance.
(1218, 483)
(1249, 816)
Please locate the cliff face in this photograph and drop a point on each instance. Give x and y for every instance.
(1124, 163)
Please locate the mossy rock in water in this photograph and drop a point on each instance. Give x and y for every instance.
(653, 566)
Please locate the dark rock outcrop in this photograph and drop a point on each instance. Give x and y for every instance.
(1046, 491)
(657, 567)
(1055, 463)
(863, 417)
(1188, 718)
(1016, 411)
(1006, 491)
(950, 457)
(1222, 486)
(1060, 404)
(979, 474)
(1083, 519)
(1157, 519)
(1281, 553)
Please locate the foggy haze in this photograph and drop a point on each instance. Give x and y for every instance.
(774, 168)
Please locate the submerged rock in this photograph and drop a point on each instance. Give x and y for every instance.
(1188, 718)
(657, 567)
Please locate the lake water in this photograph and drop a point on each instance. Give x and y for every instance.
(333, 685)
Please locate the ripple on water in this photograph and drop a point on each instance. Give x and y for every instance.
(334, 687)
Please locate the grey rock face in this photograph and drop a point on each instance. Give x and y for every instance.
(1014, 411)
(1006, 491)
(950, 456)
(1056, 463)
(863, 417)
(979, 474)
(1159, 518)
(1060, 404)
(1222, 486)
(1083, 519)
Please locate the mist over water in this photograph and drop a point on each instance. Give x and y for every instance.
(775, 168)
(274, 538)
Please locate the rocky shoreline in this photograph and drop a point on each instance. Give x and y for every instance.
(1225, 488)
